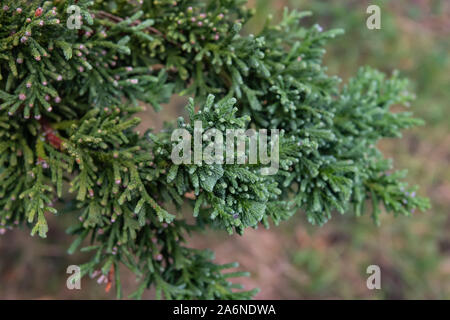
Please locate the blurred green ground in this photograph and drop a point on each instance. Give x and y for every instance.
(296, 260)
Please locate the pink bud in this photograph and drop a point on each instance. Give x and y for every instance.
(101, 279)
(95, 274)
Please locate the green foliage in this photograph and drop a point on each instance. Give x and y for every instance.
(415, 256)
(83, 88)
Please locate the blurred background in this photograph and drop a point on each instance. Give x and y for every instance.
(297, 260)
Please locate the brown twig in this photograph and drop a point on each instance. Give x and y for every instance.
(107, 15)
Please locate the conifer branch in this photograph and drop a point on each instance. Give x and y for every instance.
(69, 103)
